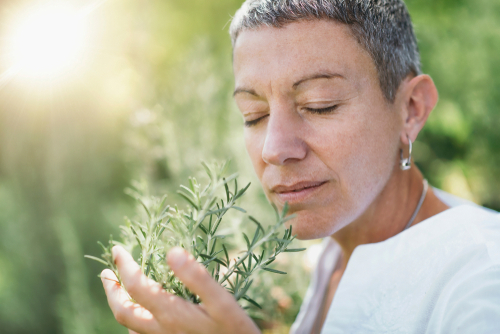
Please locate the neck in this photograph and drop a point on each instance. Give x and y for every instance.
(390, 212)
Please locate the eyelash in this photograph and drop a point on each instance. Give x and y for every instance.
(254, 122)
(322, 110)
(311, 110)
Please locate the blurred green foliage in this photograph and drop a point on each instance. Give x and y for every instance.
(459, 149)
(153, 101)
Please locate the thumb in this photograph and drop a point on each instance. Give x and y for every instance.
(197, 279)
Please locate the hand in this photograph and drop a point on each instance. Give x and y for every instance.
(157, 311)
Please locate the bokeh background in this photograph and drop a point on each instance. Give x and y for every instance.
(147, 97)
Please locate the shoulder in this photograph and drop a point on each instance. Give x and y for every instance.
(454, 201)
(470, 294)
(457, 234)
(474, 227)
(433, 258)
(483, 223)
(440, 276)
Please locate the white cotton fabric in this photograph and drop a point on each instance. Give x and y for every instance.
(440, 276)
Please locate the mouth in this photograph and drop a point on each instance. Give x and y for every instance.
(297, 192)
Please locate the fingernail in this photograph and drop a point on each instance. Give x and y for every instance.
(104, 275)
(176, 257)
(114, 252)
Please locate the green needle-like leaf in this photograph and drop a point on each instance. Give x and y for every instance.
(293, 250)
(195, 228)
(96, 259)
(274, 271)
(250, 300)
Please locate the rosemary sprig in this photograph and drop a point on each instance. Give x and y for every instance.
(196, 230)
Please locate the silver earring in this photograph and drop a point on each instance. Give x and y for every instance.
(405, 164)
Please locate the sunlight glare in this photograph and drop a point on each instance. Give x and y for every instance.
(48, 42)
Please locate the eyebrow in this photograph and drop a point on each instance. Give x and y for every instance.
(322, 75)
(244, 90)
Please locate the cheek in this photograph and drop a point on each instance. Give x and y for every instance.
(373, 158)
(254, 144)
(368, 150)
(361, 151)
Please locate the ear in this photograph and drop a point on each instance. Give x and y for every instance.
(419, 97)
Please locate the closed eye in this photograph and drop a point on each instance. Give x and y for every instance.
(255, 121)
(322, 110)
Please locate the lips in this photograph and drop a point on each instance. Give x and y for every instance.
(280, 189)
(297, 192)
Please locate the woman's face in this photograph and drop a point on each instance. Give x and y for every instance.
(318, 130)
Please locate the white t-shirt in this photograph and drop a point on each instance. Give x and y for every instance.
(439, 276)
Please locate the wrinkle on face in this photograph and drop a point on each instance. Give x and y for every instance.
(316, 64)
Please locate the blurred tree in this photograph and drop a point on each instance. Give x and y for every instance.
(459, 148)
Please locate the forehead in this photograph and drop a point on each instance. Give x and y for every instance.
(298, 49)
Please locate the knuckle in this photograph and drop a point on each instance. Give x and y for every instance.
(165, 320)
(175, 315)
(172, 318)
(120, 316)
(165, 316)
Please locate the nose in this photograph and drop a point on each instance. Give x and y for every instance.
(283, 143)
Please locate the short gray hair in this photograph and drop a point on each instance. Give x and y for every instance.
(382, 27)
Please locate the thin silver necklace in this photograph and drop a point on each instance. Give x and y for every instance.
(419, 205)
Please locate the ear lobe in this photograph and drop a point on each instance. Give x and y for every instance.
(420, 99)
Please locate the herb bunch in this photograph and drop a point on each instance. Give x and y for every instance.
(196, 229)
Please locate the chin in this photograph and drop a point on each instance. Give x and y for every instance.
(308, 226)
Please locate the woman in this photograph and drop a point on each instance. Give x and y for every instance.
(332, 96)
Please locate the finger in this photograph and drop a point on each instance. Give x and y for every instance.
(126, 312)
(167, 309)
(132, 332)
(145, 291)
(198, 280)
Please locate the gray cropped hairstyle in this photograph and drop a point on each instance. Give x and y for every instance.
(382, 27)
